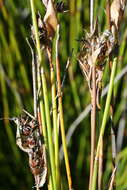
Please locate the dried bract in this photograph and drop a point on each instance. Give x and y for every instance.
(50, 19)
(116, 11)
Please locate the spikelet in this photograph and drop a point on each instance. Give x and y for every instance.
(50, 19)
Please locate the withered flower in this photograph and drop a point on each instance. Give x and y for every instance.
(50, 19)
(94, 51)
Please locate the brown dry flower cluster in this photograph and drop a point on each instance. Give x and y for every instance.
(28, 140)
(96, 47)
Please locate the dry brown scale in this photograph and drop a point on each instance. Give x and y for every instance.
(95, 49)
(28, 139)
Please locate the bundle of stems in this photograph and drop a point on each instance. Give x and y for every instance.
(50, 122)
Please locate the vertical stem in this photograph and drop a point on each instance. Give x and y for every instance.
(112, 178)
(100, 166)
(35, 30)
(113, 141)
(93, 123)
(49, 131)
(34, 76)
(113, 137)
(104, 120)
(45, 136)
(93, 100)
(108, 14)
(61, 115)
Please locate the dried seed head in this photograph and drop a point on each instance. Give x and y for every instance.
(116, 11)
(94, 51)
(50, 19)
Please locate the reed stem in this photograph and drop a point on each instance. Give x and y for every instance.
(93, 101)
(104, 121)
(60, 106)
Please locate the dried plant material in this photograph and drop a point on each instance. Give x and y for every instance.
(95, 50)
(28, 140)
(50, 19)
(45, 2)
(42, 32)
(116, 11)
(59, 6)
(37, 162)
(25, 133)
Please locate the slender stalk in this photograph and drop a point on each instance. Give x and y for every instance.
(93, 101)
(100, 166)
(113, 137)
(60, 105)
(44, 133)
(113, 141)
(112, 179)
(108, 14)
(42, 110)
(34, 85)
(55, 114)
(104, 120)
(35, 30)
(49, 132)
(93, 123)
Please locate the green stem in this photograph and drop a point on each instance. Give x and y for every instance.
(49, 132)
(55, 115)
(51, 57)
(45, 136)
(35, 27)
(60, 105)
(104, 120)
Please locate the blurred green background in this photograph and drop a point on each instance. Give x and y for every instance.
(16, 93)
